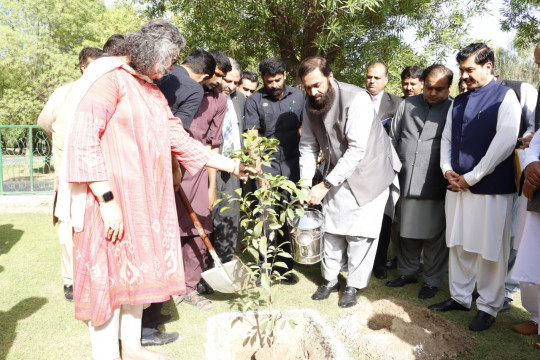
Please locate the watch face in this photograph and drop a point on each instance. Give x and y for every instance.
(108, 196)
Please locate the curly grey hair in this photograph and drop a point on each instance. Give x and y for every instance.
(155, 45)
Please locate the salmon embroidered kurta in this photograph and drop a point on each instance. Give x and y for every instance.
(123, 132)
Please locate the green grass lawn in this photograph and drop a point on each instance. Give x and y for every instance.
(37, 323)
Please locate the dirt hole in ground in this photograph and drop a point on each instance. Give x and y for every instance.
(395, 330)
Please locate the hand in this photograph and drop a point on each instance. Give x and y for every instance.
(241, 171)
(463, 186)
(318, 192)
(528, 189)
(262, 183)
(211, 198)
(532, 173)
(112, 220)
(177, 178)
(452, 178)
(526, 141)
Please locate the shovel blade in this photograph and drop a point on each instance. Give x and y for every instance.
(231, 277)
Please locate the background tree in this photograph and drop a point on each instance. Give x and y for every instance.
(523, 16)
(349, 33)
(516, 65)
(39, 45)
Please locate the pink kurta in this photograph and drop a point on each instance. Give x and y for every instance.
(124, 132)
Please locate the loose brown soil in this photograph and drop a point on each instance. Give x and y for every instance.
(394, 330)
(384, 329)
(237, 338)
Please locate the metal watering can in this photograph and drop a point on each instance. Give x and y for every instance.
(306, 236)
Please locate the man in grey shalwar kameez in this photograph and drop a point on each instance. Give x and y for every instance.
(339, 119)
(416, 134)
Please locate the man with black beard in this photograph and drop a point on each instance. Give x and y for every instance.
(275, 112)
(340, 120)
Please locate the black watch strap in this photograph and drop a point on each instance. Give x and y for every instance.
(327, 184)
(106, 197)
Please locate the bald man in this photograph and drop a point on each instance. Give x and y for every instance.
(385, 105)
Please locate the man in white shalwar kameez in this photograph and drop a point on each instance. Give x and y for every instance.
(527, 267)
(476, 158)
(339, 119)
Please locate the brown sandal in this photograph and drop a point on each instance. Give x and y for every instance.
(195, 299)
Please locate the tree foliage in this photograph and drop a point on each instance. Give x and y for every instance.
(516, 65)
(349, 33)
(39, 45)
(523, 16)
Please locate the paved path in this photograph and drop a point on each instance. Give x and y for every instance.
(26, 203)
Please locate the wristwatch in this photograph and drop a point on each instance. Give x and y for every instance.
(106, 197)
(327, 184)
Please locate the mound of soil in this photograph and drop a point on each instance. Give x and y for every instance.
(394, 330)
(235, 336)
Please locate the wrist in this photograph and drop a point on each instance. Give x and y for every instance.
(327, 184)
(235, 166)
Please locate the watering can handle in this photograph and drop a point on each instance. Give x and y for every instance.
(195, 219)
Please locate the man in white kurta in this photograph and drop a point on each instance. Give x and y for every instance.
(527, 267)
(339, 120)
(55, 128)
(476, 158)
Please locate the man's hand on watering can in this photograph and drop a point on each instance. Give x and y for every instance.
(318, 192)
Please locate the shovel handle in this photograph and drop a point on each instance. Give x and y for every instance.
(195, 219)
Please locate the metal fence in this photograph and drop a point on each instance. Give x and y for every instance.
(25, 160)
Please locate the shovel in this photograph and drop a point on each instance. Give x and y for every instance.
(227, 278)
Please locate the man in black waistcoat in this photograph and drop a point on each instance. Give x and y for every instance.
(477, 160)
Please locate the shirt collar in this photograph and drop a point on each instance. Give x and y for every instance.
(379, 96)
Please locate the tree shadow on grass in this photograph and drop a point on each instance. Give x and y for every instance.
(9, 236)
(10, 318)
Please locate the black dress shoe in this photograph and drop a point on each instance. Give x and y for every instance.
(482, 321)
(427, 291)
(204, 288)
(348, 298)
(68, 293)
(290, 278)
(159, 338)
(380, 272)
(402, 280)
(448, 305)
(506, 305)
(324, 291)
(392, 263)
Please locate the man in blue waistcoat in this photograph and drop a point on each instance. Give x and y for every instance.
(476, 158)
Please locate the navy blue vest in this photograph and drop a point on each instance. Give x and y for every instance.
(474, 124)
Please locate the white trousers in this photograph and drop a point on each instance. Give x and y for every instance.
(530, 299)
(124, 324)
(65, 235)
(361, 254)
(467, 269)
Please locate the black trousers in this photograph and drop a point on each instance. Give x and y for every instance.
(150, 318)
(384, 241)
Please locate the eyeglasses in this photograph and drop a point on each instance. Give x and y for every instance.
(175, 60)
